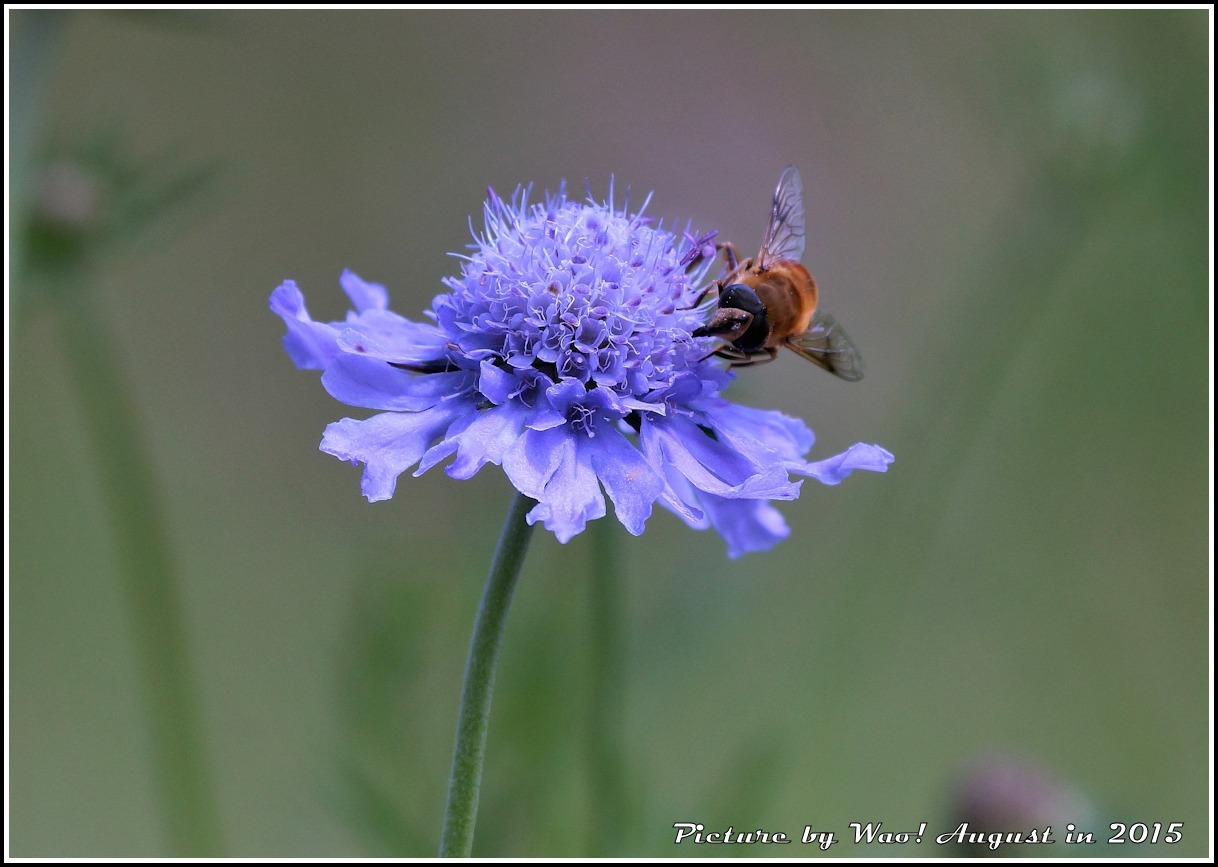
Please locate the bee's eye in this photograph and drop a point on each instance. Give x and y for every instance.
(741, 297)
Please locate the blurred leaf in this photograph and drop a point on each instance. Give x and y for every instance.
(746, 789)
(380, 671)
(378, 817)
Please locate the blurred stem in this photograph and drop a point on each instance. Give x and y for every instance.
(605, 702)
(142, 540)
(34, 35)
(457, 839)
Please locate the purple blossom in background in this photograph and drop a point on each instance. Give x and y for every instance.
(563, 353)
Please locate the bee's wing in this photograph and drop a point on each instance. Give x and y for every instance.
(784, 237)
(827, 345)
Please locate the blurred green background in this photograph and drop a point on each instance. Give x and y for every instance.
(1007, 210)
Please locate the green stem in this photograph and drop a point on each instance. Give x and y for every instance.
(457, 840)
(128, 486)
(605, 700)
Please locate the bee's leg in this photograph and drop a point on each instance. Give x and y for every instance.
(734, 269)
(730, 254)
(741, 359)
(732, 354)
(738, 358)
(735, 266)
(714, 287)
(724, 351)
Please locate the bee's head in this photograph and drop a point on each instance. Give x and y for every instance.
(740, 319)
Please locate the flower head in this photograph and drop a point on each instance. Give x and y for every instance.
(563, 352)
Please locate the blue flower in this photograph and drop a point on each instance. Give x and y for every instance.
(563, 353)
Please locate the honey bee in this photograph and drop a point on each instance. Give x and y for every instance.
(770, 301)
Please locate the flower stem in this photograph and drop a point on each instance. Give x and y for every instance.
(606, 756)
(129, 487)
(469, 751)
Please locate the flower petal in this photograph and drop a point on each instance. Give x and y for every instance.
(385, 335)
(683, 499)
(533, 458)
(860, 456)
(357, 380)
(746, 525)
(712, 466)
(746, 428)
(486, 439)
(365, 296)
(310, 345)
(571, 496)
(388, 444)
(631, 483)
(496, 384)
